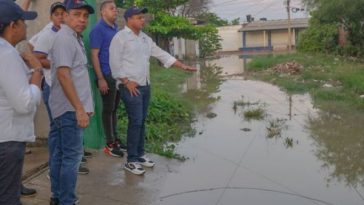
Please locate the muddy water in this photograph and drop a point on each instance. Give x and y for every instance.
(292, 153)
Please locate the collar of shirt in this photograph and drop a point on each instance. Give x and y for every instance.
(70, 31)
(103, 23)
(131, 32)
(4, 42)
(55, 29)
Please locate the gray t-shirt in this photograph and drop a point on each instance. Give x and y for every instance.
(68, 51)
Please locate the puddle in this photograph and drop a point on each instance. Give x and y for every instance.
(312, 157)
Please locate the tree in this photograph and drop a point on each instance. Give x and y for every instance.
(166, 24)
(211, 19)
(235, 21)
(340, 12)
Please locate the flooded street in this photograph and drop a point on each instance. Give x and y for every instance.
(256, 144)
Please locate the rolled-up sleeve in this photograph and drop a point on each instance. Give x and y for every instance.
(21, 95)
(162, 55)
(116, 57)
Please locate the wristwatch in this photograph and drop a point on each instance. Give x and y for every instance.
(33, 70)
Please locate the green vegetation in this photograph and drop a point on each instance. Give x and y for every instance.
(167, 23)
(327, 17)
(169, 117)
(329, 79)
(275, 127)
(254, 114)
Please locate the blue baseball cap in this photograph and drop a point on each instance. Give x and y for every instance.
(10, 11)
(134, 11)
(78, 4)
(55, 6)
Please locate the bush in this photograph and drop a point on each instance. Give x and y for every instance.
(319, 38)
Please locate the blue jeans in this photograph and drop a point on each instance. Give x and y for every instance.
(45, 93)
(66, 150)
(137, 109)
(11, 167)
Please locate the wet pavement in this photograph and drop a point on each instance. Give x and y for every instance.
(254, 144)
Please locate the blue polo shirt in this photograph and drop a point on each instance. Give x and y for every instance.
(100, 38)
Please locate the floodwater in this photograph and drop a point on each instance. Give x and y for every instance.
(292, 153)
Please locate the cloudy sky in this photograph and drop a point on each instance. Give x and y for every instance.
(271, 9)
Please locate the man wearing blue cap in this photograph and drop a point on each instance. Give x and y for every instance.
(130, 51)
(19, 95)
(70, 102)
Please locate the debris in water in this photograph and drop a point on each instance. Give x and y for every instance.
(246, 129)
(211, 115)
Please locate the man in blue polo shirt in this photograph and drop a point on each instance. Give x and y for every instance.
(100, 37)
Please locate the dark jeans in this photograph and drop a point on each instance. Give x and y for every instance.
(11, 165)
(66, 150)
(137, 109)
(45, 93)
(110, 102)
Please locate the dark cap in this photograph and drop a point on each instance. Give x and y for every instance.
(134, 11)
(55, 6)
(10, 11)
(78, 4)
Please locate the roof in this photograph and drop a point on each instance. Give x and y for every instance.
(274, 24)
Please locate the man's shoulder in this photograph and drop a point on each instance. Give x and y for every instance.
(97, 27)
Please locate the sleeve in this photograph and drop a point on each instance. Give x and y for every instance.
(162, 55)
(43, 43)
(116, 51)
(33, 40)
(96, 38)
(23, 97)
(63, 52)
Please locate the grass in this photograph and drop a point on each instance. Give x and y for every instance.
(254, 114)
(346, 76)
(169, 117)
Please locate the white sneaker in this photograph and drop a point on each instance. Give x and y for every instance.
(145, 161)
(134, 167)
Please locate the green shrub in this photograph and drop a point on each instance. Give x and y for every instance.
(319, 38)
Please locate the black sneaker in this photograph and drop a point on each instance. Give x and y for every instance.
(134, 167)
(54, 201)
(87, 154)
(27, 192)
(121, 146)
(145, 161)
(83, 170)
(83, 160)
(113, 150)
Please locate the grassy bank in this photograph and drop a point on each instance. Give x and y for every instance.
(169, 116)
(332, 81)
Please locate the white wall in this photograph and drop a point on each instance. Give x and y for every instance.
(232, 39)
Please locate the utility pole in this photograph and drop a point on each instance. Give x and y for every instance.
(288, 5)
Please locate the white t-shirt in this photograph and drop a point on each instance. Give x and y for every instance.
(34, 39)
(42, 43)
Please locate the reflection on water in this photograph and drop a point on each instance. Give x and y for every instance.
(201, 87)
(233, 160)
(340, 145)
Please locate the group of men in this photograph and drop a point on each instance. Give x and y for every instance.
(121, 63)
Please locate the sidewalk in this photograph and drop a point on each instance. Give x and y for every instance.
(106, 184)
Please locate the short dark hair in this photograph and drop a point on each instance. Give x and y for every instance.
(103, 4)
(3, 27)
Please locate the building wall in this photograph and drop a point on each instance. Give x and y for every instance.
(256, 39)
(280, 39)
(260, 39)
(231, 38)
